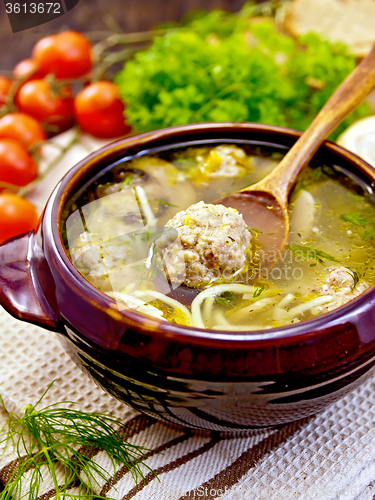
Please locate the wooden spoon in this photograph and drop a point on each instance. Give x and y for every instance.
(264, 205)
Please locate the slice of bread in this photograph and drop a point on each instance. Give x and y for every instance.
(348, 21)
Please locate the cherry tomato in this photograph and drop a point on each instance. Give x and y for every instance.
(37, 99)
(5, 84)
(23, 128)
(67, 55)
(27, 69)
(99, 110)
(17, 216)
(16, 165)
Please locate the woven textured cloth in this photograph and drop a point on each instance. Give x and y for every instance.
(329, 456)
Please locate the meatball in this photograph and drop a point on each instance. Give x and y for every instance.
(340, 278)
(204, 243)
(341, 286)
(98, 258)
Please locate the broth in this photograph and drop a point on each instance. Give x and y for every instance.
(112, 230)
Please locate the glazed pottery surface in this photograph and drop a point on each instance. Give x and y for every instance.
(196, 378)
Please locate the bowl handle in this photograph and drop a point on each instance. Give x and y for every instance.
(22, 270)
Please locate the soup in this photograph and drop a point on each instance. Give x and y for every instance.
(145, 233)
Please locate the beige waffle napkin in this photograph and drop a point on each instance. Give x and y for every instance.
(329, 456)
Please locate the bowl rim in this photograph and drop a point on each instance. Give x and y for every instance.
(56, 203)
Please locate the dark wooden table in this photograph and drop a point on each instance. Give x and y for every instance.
(97, 15)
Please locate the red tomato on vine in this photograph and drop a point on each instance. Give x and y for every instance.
(99, 110)
(17, 216)
(27, 69)
(38, 99)
(5, 85)
(66, 55)
(16, 164)
(23, 128)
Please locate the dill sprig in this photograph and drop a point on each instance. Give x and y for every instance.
(356, 275)
(311, 253)
(311, 176)
(363, 219)
(225, 299)
(259, 291)
(163, 202)
(321, 172)
(57, 438)
(127, 182)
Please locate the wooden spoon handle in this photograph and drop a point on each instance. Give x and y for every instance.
(345, 99)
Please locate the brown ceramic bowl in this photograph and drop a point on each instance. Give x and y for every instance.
(196, 378)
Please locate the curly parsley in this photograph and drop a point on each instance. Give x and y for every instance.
(245, 72)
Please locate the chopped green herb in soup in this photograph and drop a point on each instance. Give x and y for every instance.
(147, 234)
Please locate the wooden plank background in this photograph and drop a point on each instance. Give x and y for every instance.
(95, 15)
